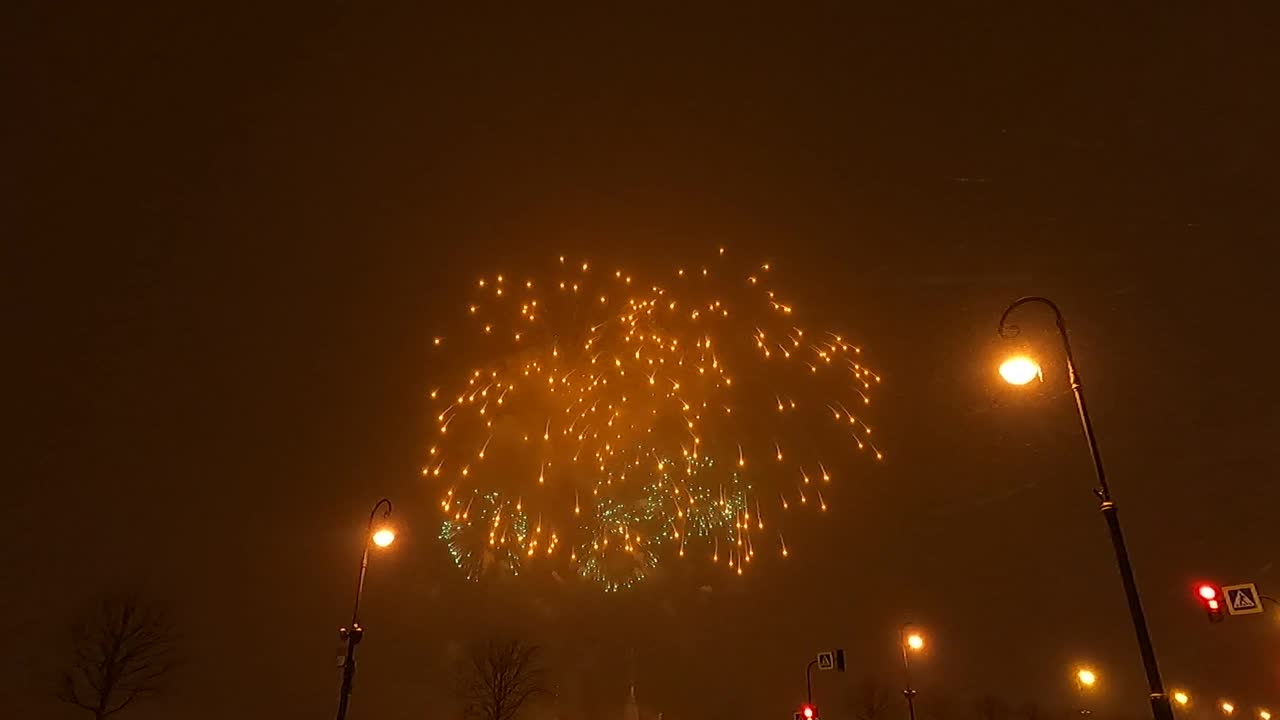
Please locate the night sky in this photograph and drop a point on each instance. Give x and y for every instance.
(231, 233)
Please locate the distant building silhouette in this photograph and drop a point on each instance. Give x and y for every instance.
(631, 711)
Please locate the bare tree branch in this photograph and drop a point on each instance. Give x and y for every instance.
(869, 699)
(501, 680)
(120, 652)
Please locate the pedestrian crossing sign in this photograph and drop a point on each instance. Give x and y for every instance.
(1242, 599)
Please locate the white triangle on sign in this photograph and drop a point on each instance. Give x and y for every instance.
(1242, 601)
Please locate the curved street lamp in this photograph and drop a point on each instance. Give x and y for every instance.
(1086, 678)
(1020, 371)
(382, 537)
(909, 640)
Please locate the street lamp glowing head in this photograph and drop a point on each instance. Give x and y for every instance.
(384, 537)
(1019, 370)
(1264, 714)
(915, 641)
(1086, 677)
(1181, 698)
(1227, 707)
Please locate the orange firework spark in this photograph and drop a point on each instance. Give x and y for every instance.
(617, 422)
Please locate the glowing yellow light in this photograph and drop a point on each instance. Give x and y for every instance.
(1086, 677)
(915, 641)
(1019, 370)
(1182, 698)
(384, 537)
(1227, 707)
(1264, 714)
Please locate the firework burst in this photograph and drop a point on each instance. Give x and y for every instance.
(616, 422)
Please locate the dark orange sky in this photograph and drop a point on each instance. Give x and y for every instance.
(232, 231)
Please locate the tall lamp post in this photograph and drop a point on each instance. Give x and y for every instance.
(910, 641)
(1022, 370)
(1085, 680)
(381, 537)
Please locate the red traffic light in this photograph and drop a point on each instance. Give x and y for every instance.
(808, 712)
(1211, 598)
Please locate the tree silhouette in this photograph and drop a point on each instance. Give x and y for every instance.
(869, 699)
(990, 707)
(500, 679)
(121, 651)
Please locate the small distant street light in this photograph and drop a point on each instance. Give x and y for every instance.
(909, 641)
(1181, 697)
(1227, 707)
(1264, 714)
(1020, 371)
(1085, 678)
(381, 537)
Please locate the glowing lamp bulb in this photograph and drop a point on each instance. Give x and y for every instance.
(1086, 677)
(915, 641)
(1264, 714)
(384, 537)
(1181, 698)
(1019, 370)
(1208, 592)
(807, 712)
(1228, 708)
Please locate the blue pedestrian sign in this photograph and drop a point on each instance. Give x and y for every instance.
(1242, 599)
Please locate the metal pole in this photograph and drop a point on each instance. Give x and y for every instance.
(909, 694)
(808, 682)
(1084, 706)
(1160, 707)
(355, 632)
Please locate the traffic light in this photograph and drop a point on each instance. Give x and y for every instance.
(807, 712)
(1211, 597)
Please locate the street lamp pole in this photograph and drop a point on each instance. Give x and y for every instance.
(1160, 707)
(808, 682)
(1085, 678)
(908, 693)
(353, 634)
